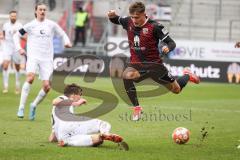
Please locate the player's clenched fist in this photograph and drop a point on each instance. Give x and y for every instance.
(69, 45)
(111, 14)
(165, 49)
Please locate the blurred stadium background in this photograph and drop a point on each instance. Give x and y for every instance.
(205, 31)
(216, 20)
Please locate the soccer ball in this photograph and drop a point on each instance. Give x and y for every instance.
(180, 135)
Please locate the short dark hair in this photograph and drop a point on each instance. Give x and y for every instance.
(72, 89)
(12, 11)
(138, 7)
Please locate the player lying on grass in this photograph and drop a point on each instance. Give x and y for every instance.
(144, 36)
(72, 130)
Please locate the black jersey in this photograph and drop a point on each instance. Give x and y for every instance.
(144, 40)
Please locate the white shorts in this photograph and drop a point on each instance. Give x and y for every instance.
(67, 129)
(78, 133)
(79, 141)
(44, 68)
(10, 53)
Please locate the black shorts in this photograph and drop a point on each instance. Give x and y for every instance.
(158, 72)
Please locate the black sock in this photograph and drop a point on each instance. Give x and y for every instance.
(182, 81)
(131, 91)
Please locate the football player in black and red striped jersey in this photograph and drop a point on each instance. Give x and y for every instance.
(144, 36)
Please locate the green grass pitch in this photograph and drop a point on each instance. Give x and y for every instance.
(212, 106)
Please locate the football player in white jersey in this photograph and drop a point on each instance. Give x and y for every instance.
(9, 51)
(72, 130)
(40, 32)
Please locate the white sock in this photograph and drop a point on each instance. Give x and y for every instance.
(24, 94)
(5, 78)
(41, 95)
(17, 75)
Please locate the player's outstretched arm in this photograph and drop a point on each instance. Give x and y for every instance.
(61, 33)
(160, 32)
(60, 102)
(112, 14)
(113, 17)
(56, 101)
(79, 102)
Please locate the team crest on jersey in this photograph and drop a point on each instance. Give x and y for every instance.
(145, 30)
(42, 31)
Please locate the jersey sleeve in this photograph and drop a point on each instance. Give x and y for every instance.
(124, 21)
(20, 25)
(60, 32)
(25, 29)
(16, 38)
(120, 21)
(160, 32)
(63, 97)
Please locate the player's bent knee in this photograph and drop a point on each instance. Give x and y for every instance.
(96, 140)
(5, 65)
(5, 68)
(176, 90)
(131, 75)
(97, 143)
(30, 78)
(46, 87)
(128, 75)
(17, 67)
(174, 87)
